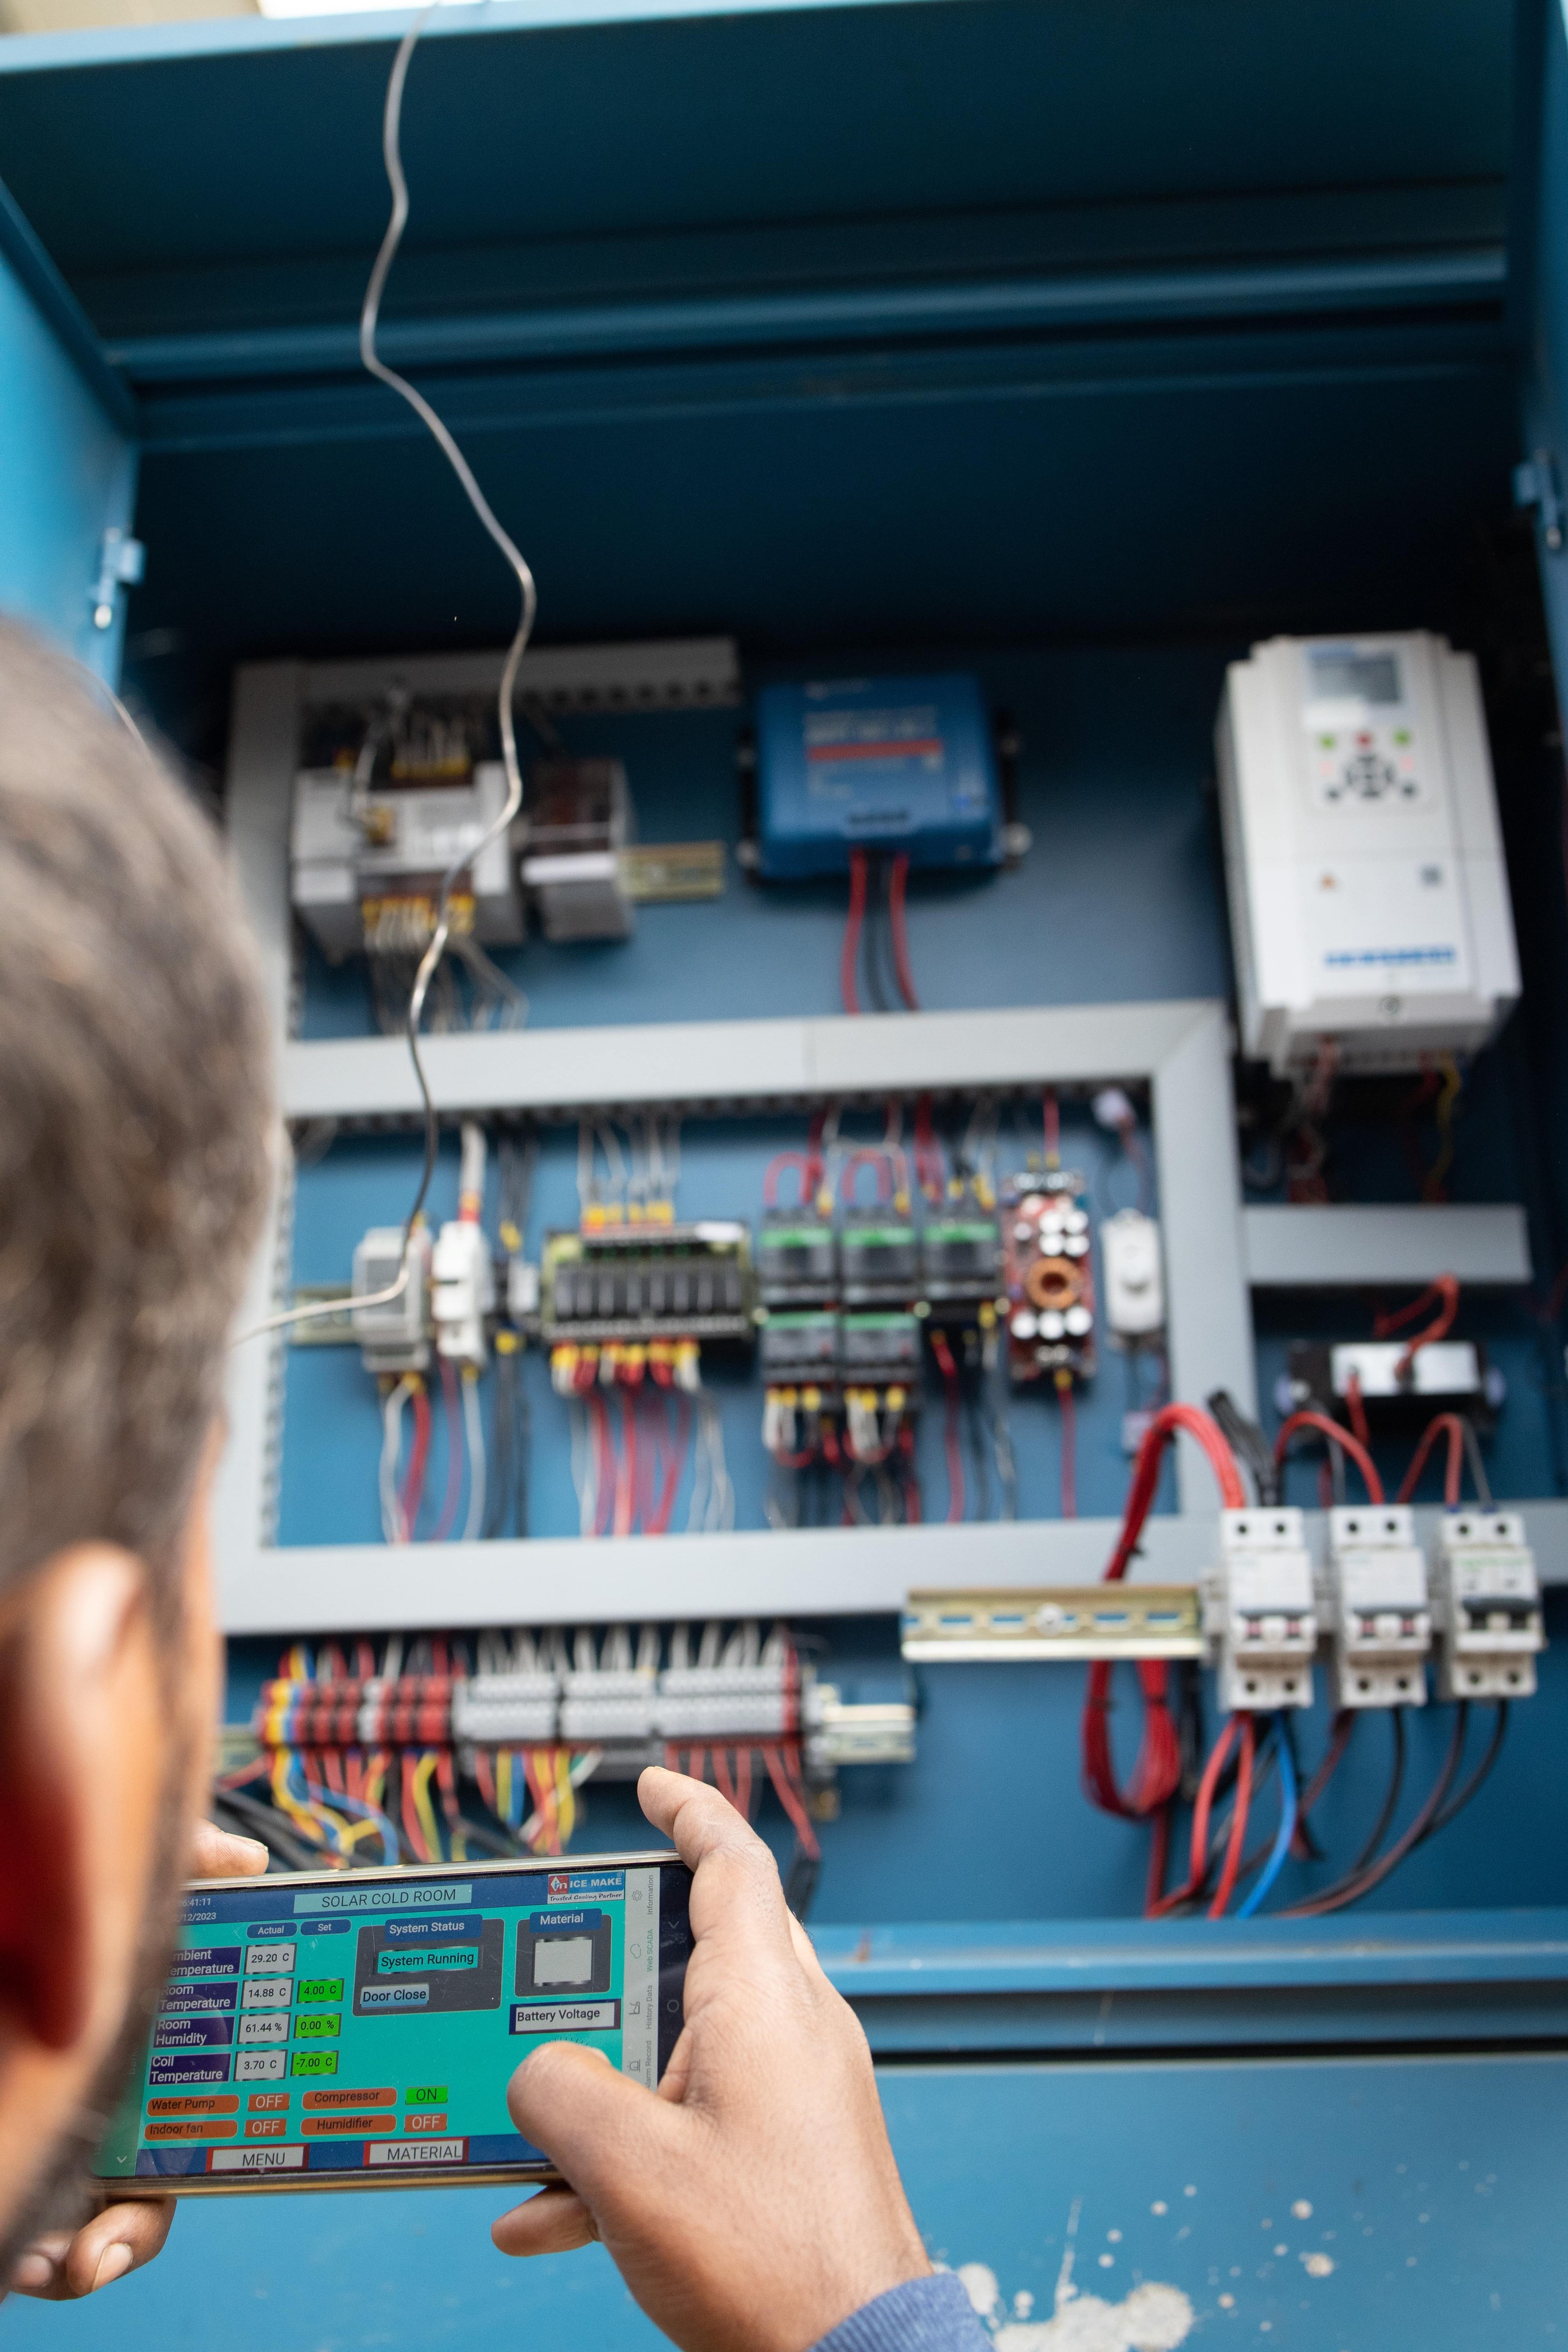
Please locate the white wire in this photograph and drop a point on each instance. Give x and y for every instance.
(394, 1525)
(584, 1476)
(370, 316)
(474, 1426)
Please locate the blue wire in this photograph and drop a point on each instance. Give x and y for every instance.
(1287, 1829)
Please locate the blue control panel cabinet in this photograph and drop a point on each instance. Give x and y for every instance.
(951, 355)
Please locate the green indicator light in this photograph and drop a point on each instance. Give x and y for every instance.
(321, 1989)
(427, 2095)
(317, 2028)
(1402, 734)
(1327, 741)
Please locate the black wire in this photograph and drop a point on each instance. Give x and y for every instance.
(1456, 1805)
(1353, 1886)
(977, 1450)
(1303, 1827)
(1245, 1438)
(258, 1818)
(1477, 1467)
(1390, 1802)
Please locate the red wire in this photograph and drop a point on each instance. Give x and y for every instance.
(849, 955)
(896, 882)
(1356, 1410)
(775, 1758)
(603, 1461)
(814, 1167)
(1069, 1445)
(1443, 1294)
(866, 1156)
(1157, 1775)
(1348, 1445)
(1237, 1838)
(779, 1161)
(1198, 1862)
(951, 1433)
(412, 1494)
(626, 1468)
(448, 1519)
(1454, 1471)
(1051, 1113)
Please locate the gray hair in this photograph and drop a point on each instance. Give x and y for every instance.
(135, 1126)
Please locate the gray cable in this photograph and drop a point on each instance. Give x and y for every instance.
(392, 155)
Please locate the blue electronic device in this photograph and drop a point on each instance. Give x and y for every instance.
(893, 765)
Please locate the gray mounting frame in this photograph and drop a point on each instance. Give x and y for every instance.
(1181, 1049)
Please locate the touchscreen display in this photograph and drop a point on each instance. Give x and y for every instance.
(363, 2025)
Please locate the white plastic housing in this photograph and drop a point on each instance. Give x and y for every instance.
(1374, 1608)
(1258, 1606)
(496, 1710)
(725, 1702)
(463, 1292)
(1369, 899)
(610, 1703)
(393, 1338)
(335, 864)
(1486, 1604)
(1135, 1300)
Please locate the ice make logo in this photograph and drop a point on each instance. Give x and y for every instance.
(560, 1885)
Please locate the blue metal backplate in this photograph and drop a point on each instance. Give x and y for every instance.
(1385, 2205)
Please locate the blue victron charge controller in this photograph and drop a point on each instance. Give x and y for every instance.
(892, 765)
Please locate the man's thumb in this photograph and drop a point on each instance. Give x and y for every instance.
(585, 2115)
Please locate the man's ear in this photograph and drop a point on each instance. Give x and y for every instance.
(83, 1756)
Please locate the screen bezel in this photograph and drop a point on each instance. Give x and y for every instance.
(674, 1950)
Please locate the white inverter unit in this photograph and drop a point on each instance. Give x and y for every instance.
(1369, 901)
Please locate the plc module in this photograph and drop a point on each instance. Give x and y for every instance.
(1368, 897)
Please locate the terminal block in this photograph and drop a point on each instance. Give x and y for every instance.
(1258, 1609)
(648, 1282)
(878, 1351)
(961, 1250)
(797, 1259)
(1373, 1607)
(393, 1336)
(1485, 1606)
(1049, 1277)
(501, 1710)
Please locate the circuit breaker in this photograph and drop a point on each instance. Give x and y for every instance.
(366, 865)
(1259, 1609)
(1369, 901)
(1373, 1607)
(1486, 1599)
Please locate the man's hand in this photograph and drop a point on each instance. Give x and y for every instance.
(68, 2265)
(753, 2200)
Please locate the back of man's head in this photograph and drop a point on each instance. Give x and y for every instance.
(134, 1119)
(134, 1112)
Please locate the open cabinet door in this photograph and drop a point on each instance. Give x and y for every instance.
(67, 460)
(1540, 245)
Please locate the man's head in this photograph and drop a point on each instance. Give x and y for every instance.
(135, 1114)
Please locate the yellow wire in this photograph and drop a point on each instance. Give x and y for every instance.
(1446, 1100)
(566, 1797)
(423, 1771)
(504, 1784)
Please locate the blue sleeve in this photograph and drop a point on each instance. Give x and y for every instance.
(926, 2315)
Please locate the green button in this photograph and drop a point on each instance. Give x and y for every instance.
(314, 2061)
(1328, 742)
(1402, 734)
(321, 1989)
(427, 2095)
(321, 2027)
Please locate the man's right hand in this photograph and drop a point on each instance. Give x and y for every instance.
(753, 2198)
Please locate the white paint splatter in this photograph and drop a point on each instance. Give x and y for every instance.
(1023, 2303)
(1106, 2262)
(1302, 2208)
(1159, 2206)
(1154, 2318)
(1317, 2265)
(1281, 2249)
(1115, 2237)
(1191, 2190)
(979, 2284)
(1228, 2303)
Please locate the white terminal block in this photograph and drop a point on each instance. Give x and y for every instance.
(1259, 1608)
(613, 1703)
(1485, 1606)
(1369, 901)
(724, 1702)
(496, 1710)
(463, 1292)
(393, 1336)
(1374, 1609)
(1134, 1290)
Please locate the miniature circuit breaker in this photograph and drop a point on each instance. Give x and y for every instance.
(1485, 1606)
(1048, 1276)
(1369, 901)
(1374, 1608)
(1259, 1610)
